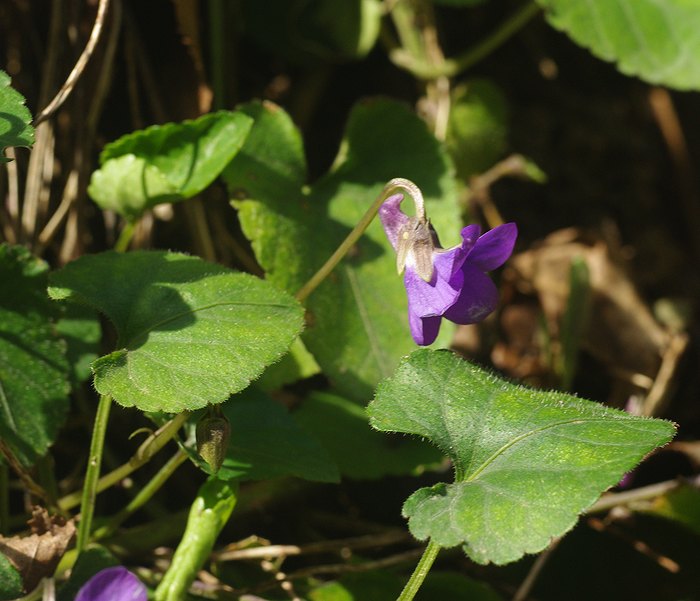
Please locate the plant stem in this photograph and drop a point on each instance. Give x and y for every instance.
(454, 66)
(421, 571)
(150, 447)
(92, 474)
(144, 495)
(125, 237)
(391, 187)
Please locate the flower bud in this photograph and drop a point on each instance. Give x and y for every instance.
(212, 439)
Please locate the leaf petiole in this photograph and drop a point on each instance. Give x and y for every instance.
(422, 568)
(92, 474)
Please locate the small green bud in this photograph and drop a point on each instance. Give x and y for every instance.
(212, 439)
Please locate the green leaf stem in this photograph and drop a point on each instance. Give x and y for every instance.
(357, 319)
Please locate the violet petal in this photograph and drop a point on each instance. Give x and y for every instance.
(494, 247)
(392, 218)
(478, 297)
(434, 297)
(423, 329)
(113, 584)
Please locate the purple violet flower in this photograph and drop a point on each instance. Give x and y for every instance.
(451, 282)
(113, 584)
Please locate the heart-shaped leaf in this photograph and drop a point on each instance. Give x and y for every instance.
(166, 163)
(657, 41)
(358, 327)
(526, 462)
(15, 118)
(33, 367)
(189, 332)
(266, 442)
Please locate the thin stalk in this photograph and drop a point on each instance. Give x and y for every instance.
(154, 443)
(144, 495)
(462, 62)
(416, 580)
(87, 503)
(391, 187)
(125, 237)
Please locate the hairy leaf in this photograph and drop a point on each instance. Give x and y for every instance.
(657, 41)
(526, 462)
(15, 118)
(189, 332)
(166, 163)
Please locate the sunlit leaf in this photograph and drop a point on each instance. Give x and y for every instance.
(166, 163)
(189, 332)
(526, 462)
(657, 41)
(15, 118)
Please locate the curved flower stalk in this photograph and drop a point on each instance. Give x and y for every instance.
(113, 584)
(449, 283)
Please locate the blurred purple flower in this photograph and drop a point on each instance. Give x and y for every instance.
(449, 283)
(113, 584)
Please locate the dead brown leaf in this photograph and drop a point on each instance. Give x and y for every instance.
(621, 332)
(36, 556)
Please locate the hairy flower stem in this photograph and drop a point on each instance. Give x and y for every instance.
(144, 495)
(421, 571)
(391, 187)
(154, 443)
(92, 474)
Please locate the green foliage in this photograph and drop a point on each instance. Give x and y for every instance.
(265, 442)
(657, 41)
(681, 505)
(15, 118)
(459, 3)
(357, 318)
(477, 129)
(309, 31)
(33, 368)
(80, 328)
(359, 451)
(297, 364)
(385, 586)
(166, 163)
(189, 332)
(526, 462)
(11, 586)
(209, 513)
